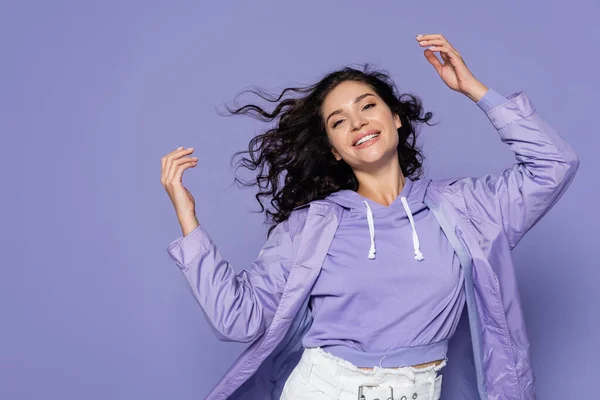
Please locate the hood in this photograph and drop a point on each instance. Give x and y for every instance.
(410, 201)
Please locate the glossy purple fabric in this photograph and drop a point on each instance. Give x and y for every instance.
(267, 305)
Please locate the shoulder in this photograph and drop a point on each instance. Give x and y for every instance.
(298, 216)
(467, 194)
(449, 190)
(297, 219)
(449, 186)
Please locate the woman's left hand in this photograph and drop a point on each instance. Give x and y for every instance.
(453, 71)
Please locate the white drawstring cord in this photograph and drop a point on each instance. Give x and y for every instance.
(418, 255)
(380, 366)
(371, 230)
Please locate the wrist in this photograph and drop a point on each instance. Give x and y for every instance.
(476, 92)
(188, 223)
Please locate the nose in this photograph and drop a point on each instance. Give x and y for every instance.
(357, 122)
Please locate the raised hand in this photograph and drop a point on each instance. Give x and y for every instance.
(453, 71)
(173, 165)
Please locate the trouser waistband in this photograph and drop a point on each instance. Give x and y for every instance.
(337, 377)
(401, 357)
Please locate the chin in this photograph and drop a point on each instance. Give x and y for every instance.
(375, 154)
(368, 163)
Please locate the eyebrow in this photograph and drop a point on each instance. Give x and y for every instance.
(356, 100)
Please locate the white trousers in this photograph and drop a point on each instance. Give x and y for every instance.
(320, 375)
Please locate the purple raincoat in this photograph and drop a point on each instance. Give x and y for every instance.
(484, 218)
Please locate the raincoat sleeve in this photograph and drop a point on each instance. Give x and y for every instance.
(239, 307)
(524, 192)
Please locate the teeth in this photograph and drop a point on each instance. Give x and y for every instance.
(368, 137)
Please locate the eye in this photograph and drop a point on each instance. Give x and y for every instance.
(369, 105)
(336, 123)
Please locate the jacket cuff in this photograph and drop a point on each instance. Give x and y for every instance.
(517, 107)
(186, 249)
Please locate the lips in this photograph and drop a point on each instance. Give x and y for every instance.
(358, 137)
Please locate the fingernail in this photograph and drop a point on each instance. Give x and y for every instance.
(419, 36)
(190, 148)
(179, 148)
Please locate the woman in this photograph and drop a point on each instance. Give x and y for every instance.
(373, 281)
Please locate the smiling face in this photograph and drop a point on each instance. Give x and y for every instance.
(361, 128)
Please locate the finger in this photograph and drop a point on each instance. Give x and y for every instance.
(166, 164)
(436, 39)
(178, 174)
(447, 55)
(433, 60)
(176, 165)
(163, 161)
(173, 164)
(179, 152)
(430, 36)
(175, 155)
(432, 42)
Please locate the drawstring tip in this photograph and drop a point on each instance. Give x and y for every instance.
(371, 255)
(419, 256)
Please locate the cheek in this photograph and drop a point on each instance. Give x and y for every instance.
(395, 138)
(336, 138)
(334, 142)
(397, 122)
(392, 125)
(383, 117)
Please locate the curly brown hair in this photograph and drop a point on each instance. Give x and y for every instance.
(293, 159)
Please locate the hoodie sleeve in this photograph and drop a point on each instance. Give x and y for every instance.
(490, 100)
(524, 192)
(239, 307)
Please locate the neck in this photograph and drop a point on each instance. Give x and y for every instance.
(382, 185)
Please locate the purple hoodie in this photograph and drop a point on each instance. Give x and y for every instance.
(392, 298)
(483, 218)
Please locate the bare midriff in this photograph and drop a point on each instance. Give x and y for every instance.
(438, 362)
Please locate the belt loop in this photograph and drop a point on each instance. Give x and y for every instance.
(306, 370)
(432, 389)
(340, 383)
(437, 385)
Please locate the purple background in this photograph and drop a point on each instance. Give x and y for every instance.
(93, 94)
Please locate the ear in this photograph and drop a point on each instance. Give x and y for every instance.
(397, 121)
(336, 154)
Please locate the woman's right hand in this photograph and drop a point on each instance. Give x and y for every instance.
(173, 165)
